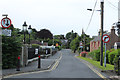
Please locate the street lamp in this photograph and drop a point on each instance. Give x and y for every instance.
(24, 29)
(29, 31)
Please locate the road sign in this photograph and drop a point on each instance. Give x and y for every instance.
(6, 22)
(36, 51)
(6, 32)
(81, 44)
(106, 38)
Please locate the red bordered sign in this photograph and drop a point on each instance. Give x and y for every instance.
(6, 22)
(106, 38)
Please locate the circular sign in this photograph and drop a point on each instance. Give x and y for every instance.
(105, 38)
(6, 22)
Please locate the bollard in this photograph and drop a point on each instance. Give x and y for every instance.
(18, 64)
(39, 62)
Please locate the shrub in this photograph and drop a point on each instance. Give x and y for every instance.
(11, 49)
(83, 54)
(35, 45)
(116, 60)
(95, 55)
(111, 56)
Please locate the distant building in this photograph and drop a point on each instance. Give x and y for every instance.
(95, 43)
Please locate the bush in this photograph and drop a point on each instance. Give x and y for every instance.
(95, 55)
(116, 61)
(11, 49)
(83, 54)
(112, 55)
(35, 45)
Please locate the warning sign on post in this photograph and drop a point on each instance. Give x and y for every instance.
(6, 22)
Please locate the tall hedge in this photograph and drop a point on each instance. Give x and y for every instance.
(95, 55)
(112, 55)
(11, 49)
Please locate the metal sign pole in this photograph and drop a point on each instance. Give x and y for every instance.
(105, 56)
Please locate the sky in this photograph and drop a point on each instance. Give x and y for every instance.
(60, 16)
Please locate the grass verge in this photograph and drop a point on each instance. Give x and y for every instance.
(97, 64)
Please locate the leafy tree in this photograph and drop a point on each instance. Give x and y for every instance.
(75, 44)
(45, 34)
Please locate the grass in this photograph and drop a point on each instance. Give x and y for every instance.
(97, 64)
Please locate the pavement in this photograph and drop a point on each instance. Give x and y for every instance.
(32, 66)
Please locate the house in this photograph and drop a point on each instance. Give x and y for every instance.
(95, 43)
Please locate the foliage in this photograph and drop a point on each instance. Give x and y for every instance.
(83, 54)
(35, 45)
(11, 49)
(112, 55)
(45, 34)
(95, 55)
(59, 37)
(75, 44)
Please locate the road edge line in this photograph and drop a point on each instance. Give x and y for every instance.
(94, 70)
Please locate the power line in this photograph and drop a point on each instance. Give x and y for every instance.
(113, 5)
(91, 15)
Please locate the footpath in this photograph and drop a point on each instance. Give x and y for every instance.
(33, 66)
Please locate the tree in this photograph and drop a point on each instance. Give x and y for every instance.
(70, 36)
(75, 44)
(45, 34)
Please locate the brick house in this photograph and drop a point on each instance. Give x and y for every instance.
(95, 43)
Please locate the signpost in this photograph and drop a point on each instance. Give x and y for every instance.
(106, 39)
(6, 23)
(6, 32)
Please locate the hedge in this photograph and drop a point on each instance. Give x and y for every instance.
(35, 45)
(112, 55)
(11, 49)
(95, 55)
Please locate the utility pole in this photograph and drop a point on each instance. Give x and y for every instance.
(101, 52)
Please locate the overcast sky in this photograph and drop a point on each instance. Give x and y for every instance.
(60, 16)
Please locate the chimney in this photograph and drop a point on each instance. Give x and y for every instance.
(112, 30)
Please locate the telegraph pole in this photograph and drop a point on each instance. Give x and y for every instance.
(101, 52)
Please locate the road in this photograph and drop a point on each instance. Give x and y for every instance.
(68, 67)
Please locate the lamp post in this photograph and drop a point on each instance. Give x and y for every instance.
(24, 29)
(102, 19)
(101, 32)
(29, 32)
